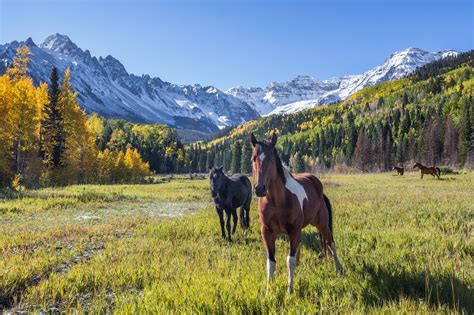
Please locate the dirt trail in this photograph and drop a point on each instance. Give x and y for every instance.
(11, 303)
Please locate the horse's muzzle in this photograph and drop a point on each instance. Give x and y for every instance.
(260, 190)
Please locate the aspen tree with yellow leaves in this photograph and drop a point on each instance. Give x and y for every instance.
(47, 139)
(22, 102)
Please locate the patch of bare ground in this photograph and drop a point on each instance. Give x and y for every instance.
(12, 304)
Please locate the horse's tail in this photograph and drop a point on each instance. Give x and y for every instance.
(439, 171)
(329, 206)
(324, 243)
(242, 217)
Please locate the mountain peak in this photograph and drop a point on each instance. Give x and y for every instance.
(61, 44)
(417, 55)
(29, 42)
(304, 92)
(304, 80)
(408, 52)
(55, 40)
(114, 68)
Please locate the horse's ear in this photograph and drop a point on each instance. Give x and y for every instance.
(220, 168)
(253, 140)
(210, 168)
(273, 139)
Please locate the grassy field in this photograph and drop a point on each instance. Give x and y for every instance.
(406, 244)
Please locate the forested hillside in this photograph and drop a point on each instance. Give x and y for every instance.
(46, 139)
(426, 117)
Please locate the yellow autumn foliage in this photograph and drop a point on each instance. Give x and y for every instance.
(21, 109)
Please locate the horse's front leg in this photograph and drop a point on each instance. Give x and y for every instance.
(220, 213)
(292, 259)
(227, 224)
(235, 219)
(269, 237)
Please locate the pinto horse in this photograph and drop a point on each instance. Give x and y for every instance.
(431, 170)
(230, 193)
(287, 203)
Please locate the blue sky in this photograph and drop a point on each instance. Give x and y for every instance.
(250, 43)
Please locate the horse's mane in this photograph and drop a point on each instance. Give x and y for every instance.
(280, 167)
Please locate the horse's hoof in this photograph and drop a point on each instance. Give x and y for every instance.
(340, 271)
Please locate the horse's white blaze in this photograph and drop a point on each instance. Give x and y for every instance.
(261, 158)
(295, 188)
(291, 263)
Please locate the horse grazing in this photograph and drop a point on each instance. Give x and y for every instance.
(432, 170)
(287, 203)
(230, 193)
(400, 170)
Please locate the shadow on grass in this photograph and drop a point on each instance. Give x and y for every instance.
(310, 240)
(446, 290)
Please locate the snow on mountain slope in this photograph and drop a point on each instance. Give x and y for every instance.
(305, 92)
(106, 87)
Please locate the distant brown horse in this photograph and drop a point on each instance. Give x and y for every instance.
(432, 170)
(286, 205)
(400, 170)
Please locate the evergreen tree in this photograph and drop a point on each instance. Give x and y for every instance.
(195, 157)
(52, 125)
(236, 157)
(362, 151)
(380, 102)
(401, 149)
(202, 167)
(298, 164)
(351, 135)
(227, 160)
(218, 155)
(450, 153)
(466, 129)
(404, 99)
(210, 158)
(246, 163)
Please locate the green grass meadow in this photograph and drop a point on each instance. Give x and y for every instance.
(407, 246)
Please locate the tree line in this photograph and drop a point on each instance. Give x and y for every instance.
(394, 123)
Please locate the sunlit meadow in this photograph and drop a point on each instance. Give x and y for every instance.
(407, 245)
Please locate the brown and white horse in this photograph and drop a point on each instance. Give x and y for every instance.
(286, 205)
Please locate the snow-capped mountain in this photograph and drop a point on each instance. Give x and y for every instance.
(305, 92)
(105, 87)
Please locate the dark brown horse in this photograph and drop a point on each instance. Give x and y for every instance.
(431, 170)
(230, 193)
(287, 204)
(400, 170)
